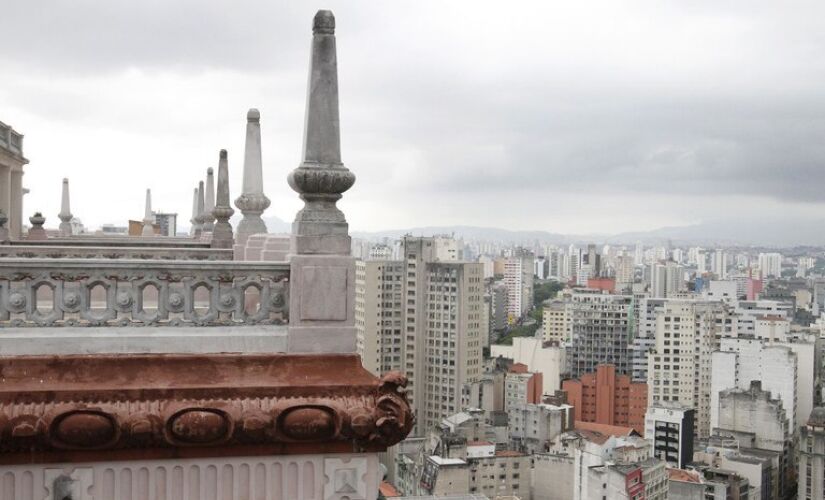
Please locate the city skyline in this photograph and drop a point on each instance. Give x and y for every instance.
(563, 120)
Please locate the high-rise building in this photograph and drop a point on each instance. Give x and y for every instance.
(719, 264)
(599, 332)
(770, 264)
(812, 457)
(669, 428)
(625, 272)
(605, 397)
(379, 314)
(666, 280)
(679, 366)
(518, 278)
(743, 360)
(423, 317)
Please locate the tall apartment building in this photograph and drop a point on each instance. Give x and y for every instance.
(603, 397)
(666, 280)
(431, 327)
(378, 314)
(770, 264)
(599, 332)
(742, 360)
(625, 272)
(644, 339)
(518, 278)
(679, 366)
(812, 457)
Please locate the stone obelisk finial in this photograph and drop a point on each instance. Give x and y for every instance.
(201, 217)
(322, 272)
(65, 214)
(148, 218)
(222, 232)
(252, 202)
(209, 201)
(320, 227)
(195, 230)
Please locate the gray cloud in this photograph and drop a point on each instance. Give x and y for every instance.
(469, 101)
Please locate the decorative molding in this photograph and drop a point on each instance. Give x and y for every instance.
(205, 403)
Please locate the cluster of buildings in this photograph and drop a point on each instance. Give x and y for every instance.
(652, 373)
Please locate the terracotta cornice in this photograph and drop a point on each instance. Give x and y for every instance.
(117, 407)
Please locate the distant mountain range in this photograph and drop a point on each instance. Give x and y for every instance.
(775, 232)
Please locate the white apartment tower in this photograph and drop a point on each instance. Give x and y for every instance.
(666, 280)
(518, 278)
(424, 318)
(679, 366)
(770, 264)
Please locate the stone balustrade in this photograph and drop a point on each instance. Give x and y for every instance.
(191, 252)
(125, 292)
(118, 241)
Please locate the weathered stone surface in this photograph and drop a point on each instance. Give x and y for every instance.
(65, 214)
(222, 233)
(252, 202)
(205, 404)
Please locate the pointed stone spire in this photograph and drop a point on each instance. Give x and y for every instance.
(320, 227)
(252, 202)
(65, 214)
(222, 232)
(209, 201)
(201, 216)
(148, 218)
(195, 229)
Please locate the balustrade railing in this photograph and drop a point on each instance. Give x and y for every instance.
(96, 292)
(30, 251)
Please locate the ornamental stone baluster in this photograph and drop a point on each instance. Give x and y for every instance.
(323, 272)
(209, 202)
(222, 232)
(148, 219)
(65, 214)
(252, 202)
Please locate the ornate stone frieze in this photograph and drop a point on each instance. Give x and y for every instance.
(133, 405)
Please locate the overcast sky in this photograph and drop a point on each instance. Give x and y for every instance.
(564, 116)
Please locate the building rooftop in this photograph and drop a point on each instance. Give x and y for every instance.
(684, 476)
(608, 430)
(441, 461)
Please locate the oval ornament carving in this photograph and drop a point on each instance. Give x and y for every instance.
(199, 426)
(85, 429)
(308, 423)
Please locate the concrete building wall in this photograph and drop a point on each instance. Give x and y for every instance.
(553, 476)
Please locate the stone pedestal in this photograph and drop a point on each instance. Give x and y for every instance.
(36, 232)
